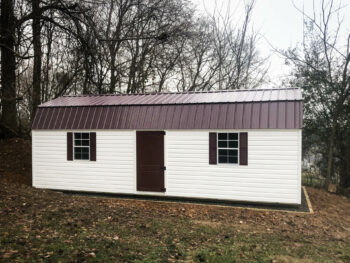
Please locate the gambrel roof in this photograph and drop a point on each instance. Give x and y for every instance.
(234, 109)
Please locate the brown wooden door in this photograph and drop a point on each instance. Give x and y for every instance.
(150, 161)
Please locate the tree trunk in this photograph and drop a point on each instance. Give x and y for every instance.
(113, 77)
(86, 67)
(8, 70)
(36, 97)
(161, 83)
(345, 164)
(46, 84)
(86, 82)
(330, 155)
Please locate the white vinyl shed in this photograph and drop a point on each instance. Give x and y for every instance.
(242, 145)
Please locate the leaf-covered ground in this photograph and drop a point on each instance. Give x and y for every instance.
(46, 226)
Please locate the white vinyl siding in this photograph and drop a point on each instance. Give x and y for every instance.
(273, 173)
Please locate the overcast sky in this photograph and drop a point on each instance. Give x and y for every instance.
(278, 22)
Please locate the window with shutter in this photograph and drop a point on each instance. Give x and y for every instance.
(228, 148)
(81, 146)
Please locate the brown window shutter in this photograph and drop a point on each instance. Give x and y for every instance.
(243, 148)
(92, 146)
(69, 146)
(212, 148)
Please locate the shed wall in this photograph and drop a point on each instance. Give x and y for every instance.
(273, 173)
(113, 171)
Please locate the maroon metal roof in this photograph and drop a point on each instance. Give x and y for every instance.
(233, 96)
(258, 115)
(248, 109)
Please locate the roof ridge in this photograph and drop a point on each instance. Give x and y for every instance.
(171, 93)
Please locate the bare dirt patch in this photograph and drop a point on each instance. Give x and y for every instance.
(16, 160)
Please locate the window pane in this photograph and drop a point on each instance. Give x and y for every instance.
(233, 136)
(222, 136)
(85, 156)
(77, 156)
(222, 144)
(233, 152)
(85, 142)
(223, 152)
(85, 135)
(222, 159)
(77, 149)
(77, 142)
(232, 159)
(77, 135)
(233, 144)
(85, 150)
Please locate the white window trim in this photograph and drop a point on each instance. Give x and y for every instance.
(218, 148)
(81, 146)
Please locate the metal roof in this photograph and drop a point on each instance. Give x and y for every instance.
(255, 109)
(232, 96)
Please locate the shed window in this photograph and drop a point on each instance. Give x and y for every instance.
(228, 148)
(81, 146)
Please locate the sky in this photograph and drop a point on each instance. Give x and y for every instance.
(279, 24)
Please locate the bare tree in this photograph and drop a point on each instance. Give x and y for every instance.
(240, 65)
(221, 54)
(321, 66)
(8, 66)
(36, 29)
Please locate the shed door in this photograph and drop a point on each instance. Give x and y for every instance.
(150, 161)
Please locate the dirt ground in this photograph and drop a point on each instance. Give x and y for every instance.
(78, 228)
(16, 160)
